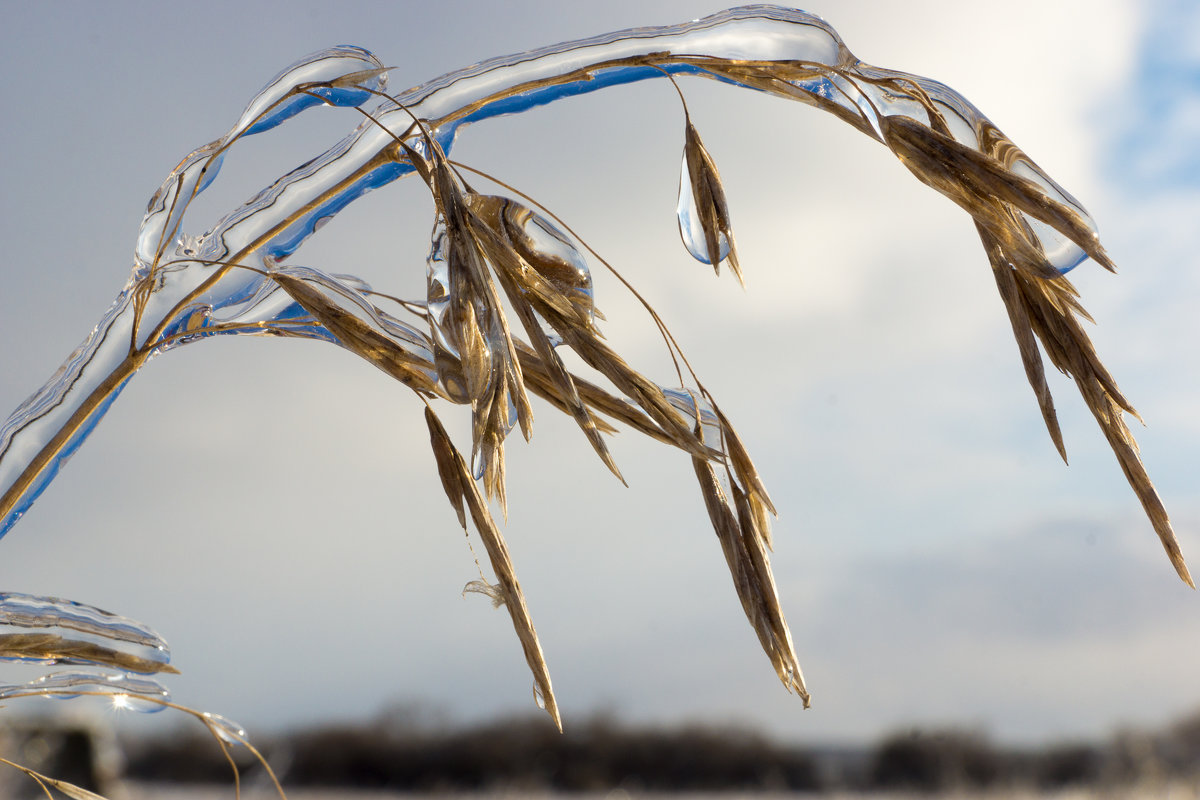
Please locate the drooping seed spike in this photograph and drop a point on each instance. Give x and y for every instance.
(702, 211)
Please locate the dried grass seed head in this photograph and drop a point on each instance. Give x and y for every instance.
(702, 203)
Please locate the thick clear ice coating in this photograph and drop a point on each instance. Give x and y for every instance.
(185, 286)
(115, 655)
(50, 630)
(131, 692)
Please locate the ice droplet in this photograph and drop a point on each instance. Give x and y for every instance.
(226, 729)
(690, 229)
(696, 409)
(550, 251)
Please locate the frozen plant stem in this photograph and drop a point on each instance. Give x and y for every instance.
(458, 345)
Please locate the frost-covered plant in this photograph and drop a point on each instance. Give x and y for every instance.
(509, 284)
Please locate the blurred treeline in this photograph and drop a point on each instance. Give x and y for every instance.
(398, 753)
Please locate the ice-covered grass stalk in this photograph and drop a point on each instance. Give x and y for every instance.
(109, 657)
(494, 252)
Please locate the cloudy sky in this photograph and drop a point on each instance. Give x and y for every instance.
(271, 506)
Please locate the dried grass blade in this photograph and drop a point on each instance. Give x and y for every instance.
(709, 194)
(476, 355)
(515, 260)
(419, 162)
(752, 579)
(786, 662)
(352, 79)
(43, 781)
(777, 79)
(49, 646)
(494, 483)
(490, 364)
(538, 381)
(1006, 282)
(595, 397)
(1066, 341)
(747, 474)
(1071, 351)
(1125, 449)
(72, 791)
(443, 453)
(501, 561)
(489, 426)
(552, 254)
(359, 338)
(519, 281)
(642, 391)
(561, 378)
(621, 410)
(509, 589)
(966, 175)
